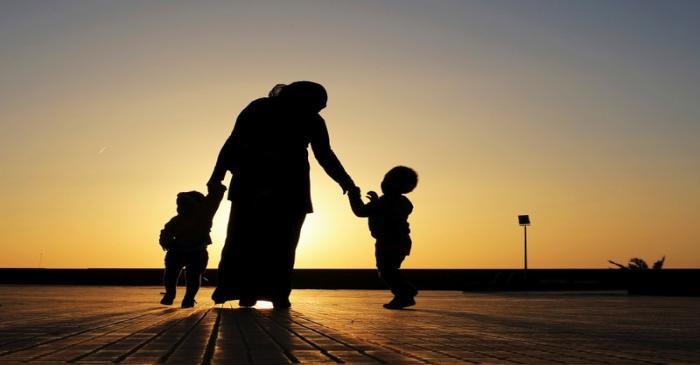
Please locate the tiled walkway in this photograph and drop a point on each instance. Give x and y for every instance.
(127, 325)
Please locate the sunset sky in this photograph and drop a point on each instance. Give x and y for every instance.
(583, 114)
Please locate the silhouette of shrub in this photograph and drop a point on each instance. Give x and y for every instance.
(636, 263)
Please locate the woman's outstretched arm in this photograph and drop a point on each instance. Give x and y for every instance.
(320, 144)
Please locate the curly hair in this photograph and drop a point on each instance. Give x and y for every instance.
(403, 178)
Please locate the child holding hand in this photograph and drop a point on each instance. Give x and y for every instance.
(388, 223)
(185, 238)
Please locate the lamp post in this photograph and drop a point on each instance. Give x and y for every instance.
(524, 221)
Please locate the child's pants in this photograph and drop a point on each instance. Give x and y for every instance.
(194, 263)
(388, 264)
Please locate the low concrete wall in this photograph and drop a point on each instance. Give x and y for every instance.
(425, 279)
(673, 281)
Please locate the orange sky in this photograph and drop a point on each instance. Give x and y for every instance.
(584, 117)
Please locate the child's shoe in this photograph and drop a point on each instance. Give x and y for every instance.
(168, 299)
(188, 302)
(400, 303)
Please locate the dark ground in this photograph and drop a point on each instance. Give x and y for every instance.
(92, 324)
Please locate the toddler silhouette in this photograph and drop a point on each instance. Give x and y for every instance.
(185, 238)
(388, 224)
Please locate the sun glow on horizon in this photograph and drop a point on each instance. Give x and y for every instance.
(582, 115)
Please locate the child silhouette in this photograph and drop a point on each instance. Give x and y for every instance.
(388, 223)
(185, 238)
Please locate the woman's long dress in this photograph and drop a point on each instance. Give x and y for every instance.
(270, 197)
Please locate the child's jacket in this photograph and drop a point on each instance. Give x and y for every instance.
(388, 221)
(190, 232)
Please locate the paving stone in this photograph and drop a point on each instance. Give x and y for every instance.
(99, 325)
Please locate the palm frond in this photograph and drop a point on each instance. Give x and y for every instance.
(638, 264)
(658, 265)
(621, 266)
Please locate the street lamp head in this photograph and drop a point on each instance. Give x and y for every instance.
(524, 220)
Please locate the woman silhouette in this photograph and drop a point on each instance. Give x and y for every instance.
(270, 190)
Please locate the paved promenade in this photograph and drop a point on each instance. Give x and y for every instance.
(127, 325)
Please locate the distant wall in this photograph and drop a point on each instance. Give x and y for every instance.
(650, 282)
(426, 279)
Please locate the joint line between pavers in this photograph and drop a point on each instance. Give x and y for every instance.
(361, 351)
(477, 352)
(211, 344)
(286, 352)
(80, 357)
(314, 345)
(94, 337)
(587, 352)
(404, 352)
(67, 336)
(182, 339)
(123, 356)
(246, 344)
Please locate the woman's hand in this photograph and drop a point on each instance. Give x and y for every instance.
(215, 187)
(355, 190)
(348, 186)
(213, 183)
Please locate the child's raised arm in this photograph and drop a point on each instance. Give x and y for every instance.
(358, 207)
